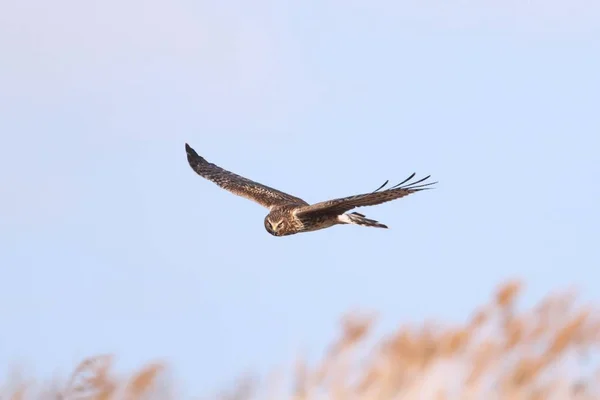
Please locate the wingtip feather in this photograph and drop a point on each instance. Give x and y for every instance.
(192, 155)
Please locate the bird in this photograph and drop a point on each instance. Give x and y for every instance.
(289, 215)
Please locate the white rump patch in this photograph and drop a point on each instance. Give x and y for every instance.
(345, 219)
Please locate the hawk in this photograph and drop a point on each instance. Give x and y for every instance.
(290, 215)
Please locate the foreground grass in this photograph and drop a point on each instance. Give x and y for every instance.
(544, 352)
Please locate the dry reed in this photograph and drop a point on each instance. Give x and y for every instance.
(500, 353)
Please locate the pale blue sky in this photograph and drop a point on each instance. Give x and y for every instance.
(111, 243)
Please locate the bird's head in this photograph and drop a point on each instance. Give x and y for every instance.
(275, 225)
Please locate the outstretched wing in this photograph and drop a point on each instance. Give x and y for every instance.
(263, 195)
(340, 206)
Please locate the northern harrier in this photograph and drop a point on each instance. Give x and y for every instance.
(290, 215)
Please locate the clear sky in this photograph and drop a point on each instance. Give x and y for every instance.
(111, 243)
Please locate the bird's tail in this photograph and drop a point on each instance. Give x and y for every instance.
(359, 219)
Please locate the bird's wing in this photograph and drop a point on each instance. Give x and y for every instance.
(263, 195)
(340, 206)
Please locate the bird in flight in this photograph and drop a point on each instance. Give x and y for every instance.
(290, 215)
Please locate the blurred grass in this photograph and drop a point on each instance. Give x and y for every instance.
(545, 352)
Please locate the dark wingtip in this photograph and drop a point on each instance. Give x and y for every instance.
(382, 186)
(191, 153)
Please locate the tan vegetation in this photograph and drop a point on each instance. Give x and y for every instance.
(543, 352)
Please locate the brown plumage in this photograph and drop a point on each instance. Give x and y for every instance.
(289, 214)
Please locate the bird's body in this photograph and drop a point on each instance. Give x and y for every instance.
(282, 221)
(290, 215)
